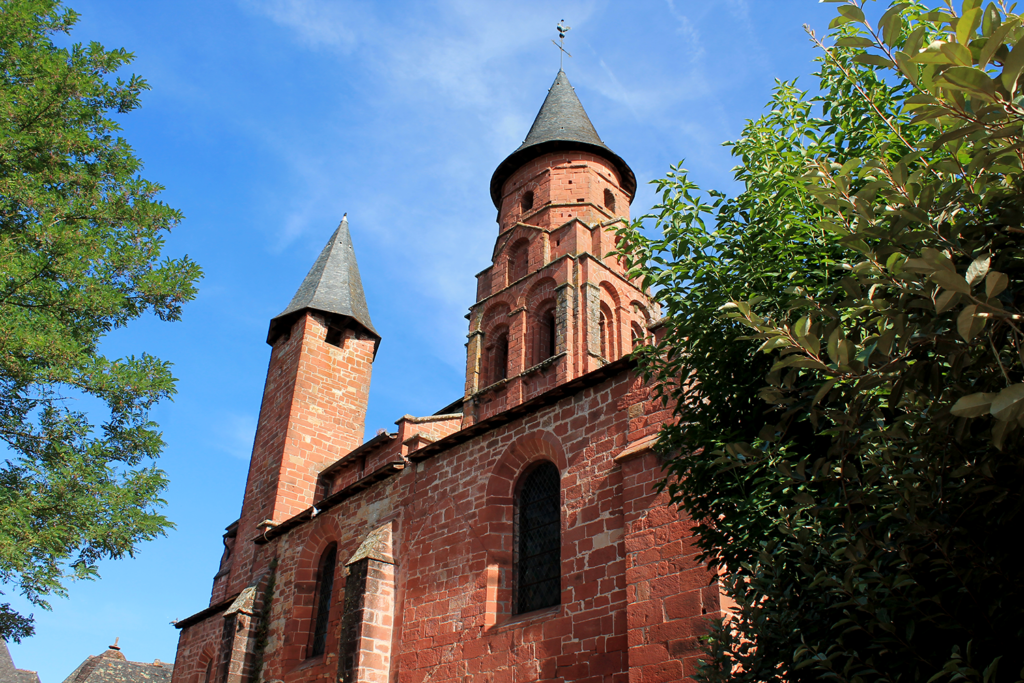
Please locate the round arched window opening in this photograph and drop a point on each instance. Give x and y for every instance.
(609, 200)
(545, 337)
(324, 589)
(498, 359)
(526, 203)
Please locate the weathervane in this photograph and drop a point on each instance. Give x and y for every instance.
(562, 29)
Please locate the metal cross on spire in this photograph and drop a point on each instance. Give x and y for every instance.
(562, 29)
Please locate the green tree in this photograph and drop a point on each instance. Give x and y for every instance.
(80, 241)
(843, 342)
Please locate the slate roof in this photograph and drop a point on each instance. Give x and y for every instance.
(11, 674)
(332, 286)
(113, 667)
(561, 124)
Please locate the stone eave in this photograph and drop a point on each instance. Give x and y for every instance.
(365, 449)
(385, 471)
(208, 612)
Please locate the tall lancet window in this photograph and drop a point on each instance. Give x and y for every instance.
(324, 588)
(538, 540)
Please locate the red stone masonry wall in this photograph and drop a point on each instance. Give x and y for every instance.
(633, 595)
(313, 408)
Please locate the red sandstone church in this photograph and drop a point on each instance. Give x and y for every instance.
(512, 536)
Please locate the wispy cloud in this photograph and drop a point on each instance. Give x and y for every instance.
(318, 24)
(235, 433)
(689, 31)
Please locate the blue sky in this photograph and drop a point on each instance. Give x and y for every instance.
(268, 119)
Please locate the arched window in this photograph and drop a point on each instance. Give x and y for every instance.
(527, 201)
(518, 261)
(544, 335)
(538, 540)
(609, 200)
(637, 334)
(324, 588)
(498, 358)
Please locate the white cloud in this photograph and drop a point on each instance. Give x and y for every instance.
(318, 24)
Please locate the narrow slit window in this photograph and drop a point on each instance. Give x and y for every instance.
(603, 325)
(638, 335)
(500, 355)
(538, 540)
(324, 588)
(609, 200)
(527, 201)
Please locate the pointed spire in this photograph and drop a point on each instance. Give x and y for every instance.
(562, 118)
(561, 124)
(332, 286)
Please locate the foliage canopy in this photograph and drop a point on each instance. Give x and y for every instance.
(80, 242)
(844, 341)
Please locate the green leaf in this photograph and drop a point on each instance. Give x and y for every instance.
(966, 25)
(907, 66)
(803, 498)
(957, 53)
(996, 40)
(891, 23)
(802, 326)
(1012, 67)
(944, 300)
(970, 80)
(855, 41)
(968, 324)
(995, 283)
(951, 281)
(852, 12)
(872, 60)
(823, 390)
(978, 268)
(833, 346)
(1007, 404)
(973, 405)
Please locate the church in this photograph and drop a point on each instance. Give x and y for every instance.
(514, 535)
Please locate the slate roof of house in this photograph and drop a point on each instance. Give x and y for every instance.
(561, 124)
(11, 674)
(113, 667)
(332, 286)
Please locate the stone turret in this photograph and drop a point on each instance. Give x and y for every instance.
(314, 401)
(554, 305)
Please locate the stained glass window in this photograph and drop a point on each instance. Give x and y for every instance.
(538, 540)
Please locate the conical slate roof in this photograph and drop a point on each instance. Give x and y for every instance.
(561, 124)
(332, 286)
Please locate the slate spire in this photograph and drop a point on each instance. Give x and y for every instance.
(332, 286)
(561, 124)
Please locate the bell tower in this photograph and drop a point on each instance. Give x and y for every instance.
(553, 305)
(314, 401)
